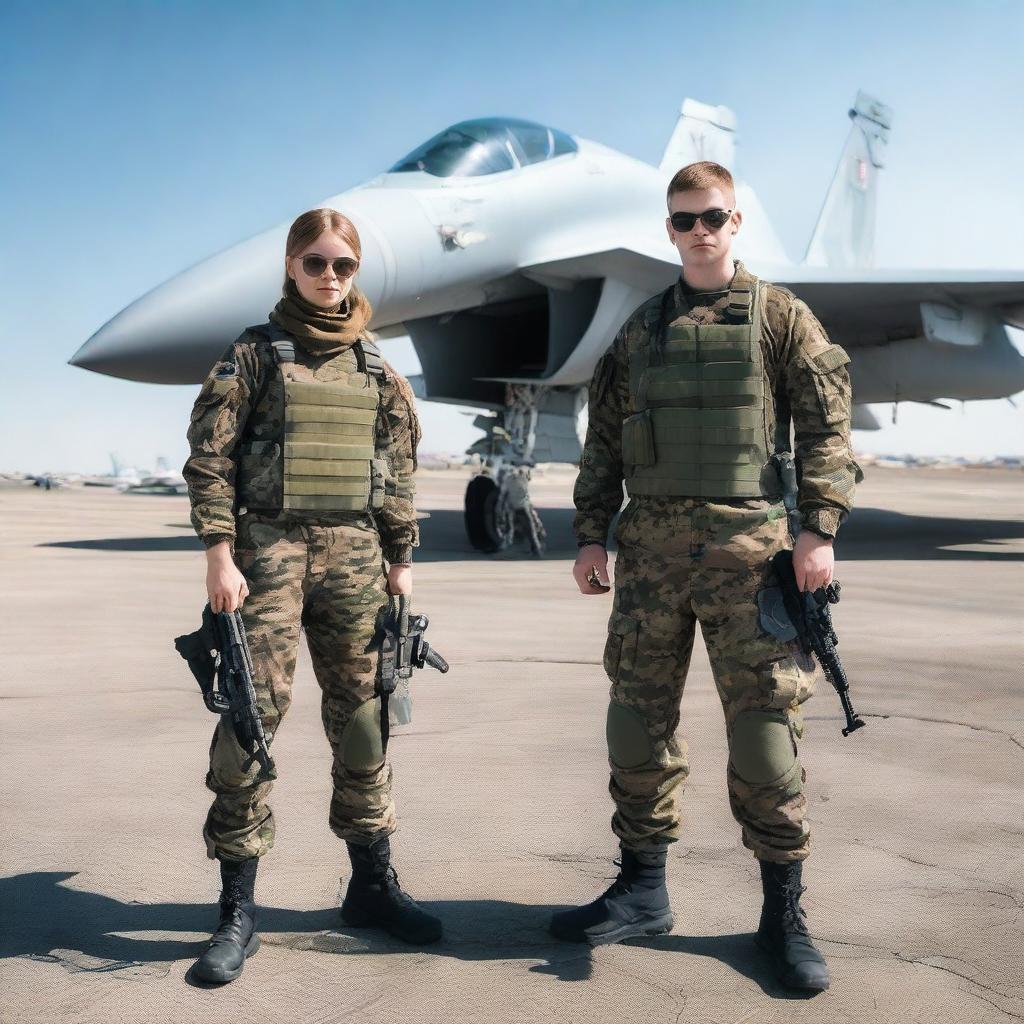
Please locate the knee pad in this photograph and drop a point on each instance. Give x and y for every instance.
(362, 746)
(629, 743)
(762, 749)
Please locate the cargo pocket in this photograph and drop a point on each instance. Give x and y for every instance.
(378, 482)
(227, 761)
(620, 648)
(790, 682)
(260, 477)
(831, 383)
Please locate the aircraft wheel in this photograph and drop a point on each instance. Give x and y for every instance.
(480, 512)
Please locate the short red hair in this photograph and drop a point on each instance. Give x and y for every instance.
(705, 174)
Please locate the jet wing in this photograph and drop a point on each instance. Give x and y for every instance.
(870, 301)
(866, 306)
(871, 307)
(644, 265)
(859, 308)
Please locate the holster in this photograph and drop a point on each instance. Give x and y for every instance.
(198, 650)
(396, 701)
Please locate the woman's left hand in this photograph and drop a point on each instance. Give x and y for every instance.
(400, 579)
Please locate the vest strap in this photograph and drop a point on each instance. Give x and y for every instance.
(370, 358)
(284, 351)
(740, 300)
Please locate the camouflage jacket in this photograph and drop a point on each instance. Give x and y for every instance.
(224, 412)
(792, 341)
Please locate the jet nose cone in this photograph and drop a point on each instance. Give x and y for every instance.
(174, 334)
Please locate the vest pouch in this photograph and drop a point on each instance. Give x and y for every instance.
(638, 440)
(378, 482)
(258, 475)
(771, 483)
(329, 438)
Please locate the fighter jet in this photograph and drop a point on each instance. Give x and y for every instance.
(511, 252)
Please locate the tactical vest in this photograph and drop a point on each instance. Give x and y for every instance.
(700, 429)
(324, 459)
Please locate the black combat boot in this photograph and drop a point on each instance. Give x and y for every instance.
(636, 904)
(235, 937)
(374, 898)
(782, 932)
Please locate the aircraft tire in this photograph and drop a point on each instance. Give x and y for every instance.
(480, 503)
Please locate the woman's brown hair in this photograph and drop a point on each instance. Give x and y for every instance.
(309, 226)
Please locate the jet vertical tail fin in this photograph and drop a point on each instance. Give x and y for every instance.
(702, 132)
(845, 233)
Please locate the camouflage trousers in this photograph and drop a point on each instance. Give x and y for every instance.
(329, 580)
(680, 562)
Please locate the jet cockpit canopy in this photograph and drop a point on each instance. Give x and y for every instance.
(487, 145)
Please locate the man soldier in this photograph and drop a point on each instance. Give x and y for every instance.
(687, 406)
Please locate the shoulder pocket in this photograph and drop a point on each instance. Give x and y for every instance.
(217, 387)
(830, 359)
(831, 382)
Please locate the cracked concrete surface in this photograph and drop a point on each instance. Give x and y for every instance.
(1012, 737)
(915, 886)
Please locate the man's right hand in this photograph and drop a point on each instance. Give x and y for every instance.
(591, 557)
(225, 585)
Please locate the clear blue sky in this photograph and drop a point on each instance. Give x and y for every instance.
(141, 137)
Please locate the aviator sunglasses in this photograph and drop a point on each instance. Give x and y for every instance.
(713, 219)
(314, 266)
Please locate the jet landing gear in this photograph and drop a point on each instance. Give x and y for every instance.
(499, 512)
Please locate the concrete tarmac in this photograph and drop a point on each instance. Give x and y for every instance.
(915, 886)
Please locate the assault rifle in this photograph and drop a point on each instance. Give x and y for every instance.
(218, 652)
(810, 616)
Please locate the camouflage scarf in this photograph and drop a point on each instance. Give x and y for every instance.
(322, 332)
(708, 307)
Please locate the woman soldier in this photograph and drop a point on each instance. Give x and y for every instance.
(303, 448)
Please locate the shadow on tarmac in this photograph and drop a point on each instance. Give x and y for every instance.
(189, 543)
(870, 534)
(736, 950)
(49, 922)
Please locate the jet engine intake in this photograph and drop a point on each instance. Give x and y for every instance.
(468, 356)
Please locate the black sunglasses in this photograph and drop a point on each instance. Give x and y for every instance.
(713, 219)
(314, 266)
